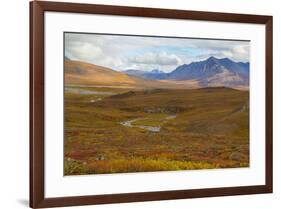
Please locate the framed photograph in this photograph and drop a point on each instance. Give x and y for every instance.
(138, 104)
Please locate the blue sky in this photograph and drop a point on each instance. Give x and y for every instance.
(148, 53)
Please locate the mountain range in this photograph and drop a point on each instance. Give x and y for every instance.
(82, 73)
(153, 74)
(210, 72)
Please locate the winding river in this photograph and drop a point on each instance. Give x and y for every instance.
(129, 123)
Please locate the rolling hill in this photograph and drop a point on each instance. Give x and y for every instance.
(82, 73)
(77, 72)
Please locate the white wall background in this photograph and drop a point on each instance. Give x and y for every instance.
(14, 119)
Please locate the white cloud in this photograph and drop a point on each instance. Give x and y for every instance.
(146, 53)
(84, 51)
(162, 58)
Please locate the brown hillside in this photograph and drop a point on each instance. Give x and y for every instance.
(81, 73)
(77, 72)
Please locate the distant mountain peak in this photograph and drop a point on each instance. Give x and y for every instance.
(156, 71)
(213, 72)
(154, 74)
(212, 58)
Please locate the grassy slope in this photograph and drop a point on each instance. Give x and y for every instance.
(81, 73)
(84, 73)
(210, 131)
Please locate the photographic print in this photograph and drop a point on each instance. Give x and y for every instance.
(144, 103)
(176, 103)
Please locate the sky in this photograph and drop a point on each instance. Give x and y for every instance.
(120, 52)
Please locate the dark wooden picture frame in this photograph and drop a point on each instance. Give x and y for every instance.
(37, 197)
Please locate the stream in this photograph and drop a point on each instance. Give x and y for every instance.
(129, 123)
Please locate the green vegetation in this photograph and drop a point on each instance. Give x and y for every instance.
(199, 129)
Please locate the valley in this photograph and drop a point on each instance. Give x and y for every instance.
(144, 103)
(117, 130)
